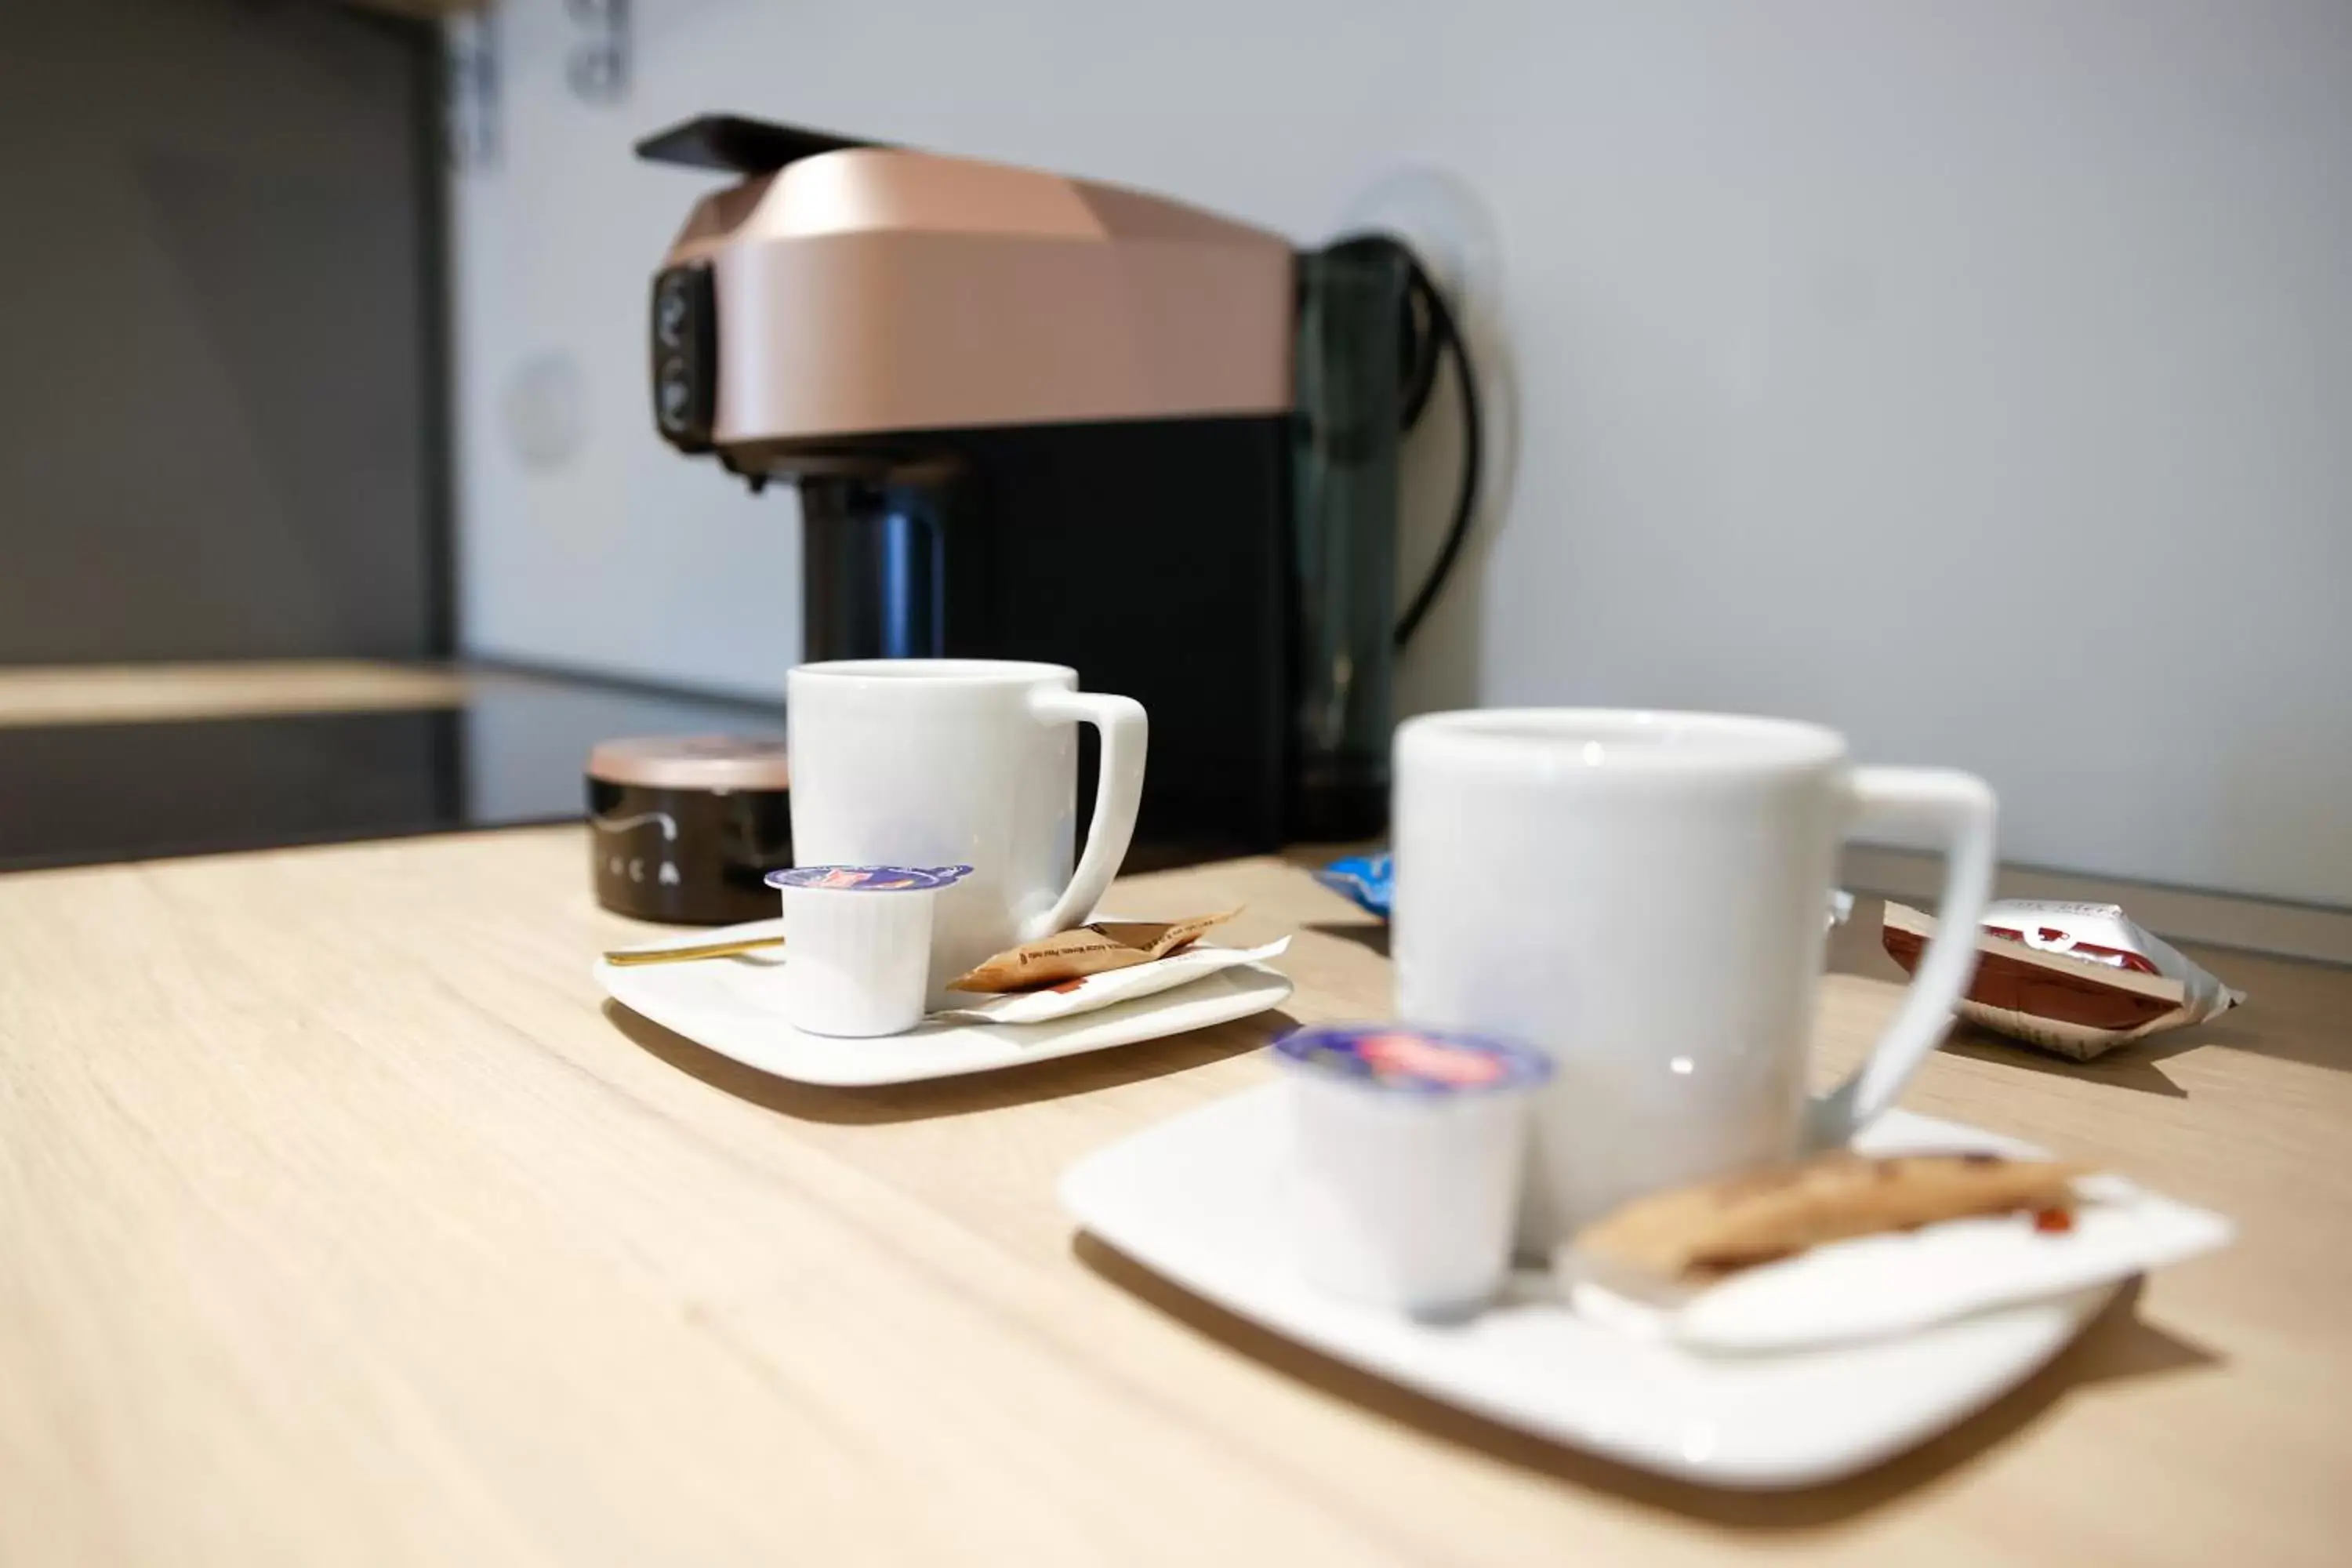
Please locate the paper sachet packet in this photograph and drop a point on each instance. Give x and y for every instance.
(1085, 993)
(1849, 1245)
(2077, 979)
(1096, 965)
(1085, 949)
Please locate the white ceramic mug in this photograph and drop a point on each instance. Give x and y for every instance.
(1640, 895)
(919, 762)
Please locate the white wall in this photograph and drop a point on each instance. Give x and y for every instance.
(1971, 375)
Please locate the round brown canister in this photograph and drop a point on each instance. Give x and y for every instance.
(686, 829)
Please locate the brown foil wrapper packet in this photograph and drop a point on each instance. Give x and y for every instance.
(2076, 979)
(1088, 950)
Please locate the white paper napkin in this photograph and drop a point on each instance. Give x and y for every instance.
(1877, 1286)
(1093, 991)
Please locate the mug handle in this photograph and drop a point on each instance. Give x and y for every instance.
(1118, 790)
(1957, 809)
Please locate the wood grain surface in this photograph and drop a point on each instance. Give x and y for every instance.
(340, 1221)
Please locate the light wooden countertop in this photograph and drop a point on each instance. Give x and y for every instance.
(342, 1221)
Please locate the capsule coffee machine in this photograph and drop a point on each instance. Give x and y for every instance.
(1030, 416)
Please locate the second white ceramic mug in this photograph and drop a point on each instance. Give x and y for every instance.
(1640, 895)
(918, 762)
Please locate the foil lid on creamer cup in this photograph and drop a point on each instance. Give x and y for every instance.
(871, 878)
(2073, 978)
(1405, 1059)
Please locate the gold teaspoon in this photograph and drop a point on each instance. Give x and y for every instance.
(623, 958)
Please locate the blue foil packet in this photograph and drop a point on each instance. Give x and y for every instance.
(1368, 879)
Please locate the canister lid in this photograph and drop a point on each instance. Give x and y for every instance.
(692, 762)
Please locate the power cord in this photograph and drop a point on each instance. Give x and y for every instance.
(1429, 330)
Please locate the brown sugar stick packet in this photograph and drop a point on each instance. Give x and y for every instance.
(1696, 1232)
(1086, 950)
